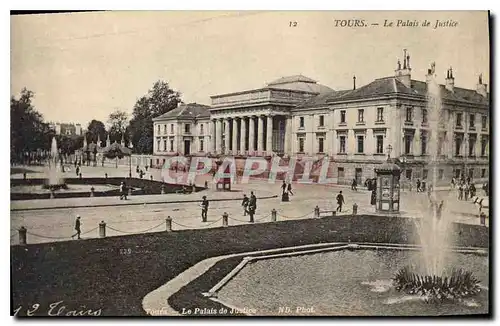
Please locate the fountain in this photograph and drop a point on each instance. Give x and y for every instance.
(432, 279)
(55, 180)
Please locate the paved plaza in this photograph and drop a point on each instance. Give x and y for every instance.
(50, 220)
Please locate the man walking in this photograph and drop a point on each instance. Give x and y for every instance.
(77, 228)
(354, 185)
(252, 206)
(283, 187)
(204, 209)
(244, 203)
(418, 185)
(340, 201)
(289, 188)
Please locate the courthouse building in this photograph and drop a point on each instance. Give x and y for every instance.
(355, 128)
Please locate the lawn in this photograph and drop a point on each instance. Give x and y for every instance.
(114, 274)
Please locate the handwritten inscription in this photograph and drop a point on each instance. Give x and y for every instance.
(56, 309)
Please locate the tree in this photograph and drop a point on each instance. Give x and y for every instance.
(28, 132)
(159, 100)
(96, 130)
(118, 124)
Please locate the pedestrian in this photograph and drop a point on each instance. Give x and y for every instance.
(289, 188)
(418, 185)
(373, 198)
(453, 182)
(354, 184)
(77, 170)
(466, 192)
(122, 186)
(137, 170)
(204, 209)
(77, 228)
(472, 190)
(340, 201)
(244, 203)
(460, 193)
(283, 187)
(468, 180)
(252, 206)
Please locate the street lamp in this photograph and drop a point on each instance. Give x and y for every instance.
(130, 146)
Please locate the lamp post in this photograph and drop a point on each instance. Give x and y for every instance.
(130, 146)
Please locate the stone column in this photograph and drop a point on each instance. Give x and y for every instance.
(234, 148)
(213, 128)
(260, 135)
(465, 145)
(478, 145)
(218, 136)
(288, 135)
(251, 134)
(269, 135)
(243, 133)
(226, 136)
(416, 150)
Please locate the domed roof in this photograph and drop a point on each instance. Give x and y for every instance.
(299, 83)
(389, 166)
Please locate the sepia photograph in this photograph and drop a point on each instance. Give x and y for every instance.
(250, 164)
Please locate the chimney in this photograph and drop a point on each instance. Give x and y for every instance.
(481, 88)
(354, 82)
(404, 74)
(450, 80)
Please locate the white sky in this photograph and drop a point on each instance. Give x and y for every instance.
(83, 66)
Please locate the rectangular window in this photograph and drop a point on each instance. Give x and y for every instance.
(187, 128)
(320, 145)
(471, 173)
(484, 141)
(441, 174)
(158, 129)
(342, 116)
(409, 114)
(458, 173)
(321, 120)
(423, 143)
(172, 128)
(425, 174)
(201, 129)
(201, 145)
(158, 143)
(380, 114)
(171, 145)
(458, 145)
(380, 144)
(424, 116)
(483, 173)
(407, 140)
(361, 141)
(408, 174)
(472, 121)
(484, 122)
(301, 122)
(361, 115)
(342, 144)
(459, 120)
(165, 145)
(340, 172)
(301, 145)
(472, 146)
(165, 129)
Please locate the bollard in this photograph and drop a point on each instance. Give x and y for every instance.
(162, 189)
(225, 217)
(273, 215)
(206, 184)
(354, 209)
(102, 229)
(316, 211)
(482, 219)
(151, 177)
(24, 175)
(22, 235)
(80, 175)
(52, 195)
(105, 175)
(168, 223)
(92, 192)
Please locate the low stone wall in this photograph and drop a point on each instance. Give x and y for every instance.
(141, 187)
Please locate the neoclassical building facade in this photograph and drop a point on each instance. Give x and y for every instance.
(356, 128)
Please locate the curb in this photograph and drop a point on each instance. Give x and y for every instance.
(131, 204)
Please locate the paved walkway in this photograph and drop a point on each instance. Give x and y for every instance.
(147, 213)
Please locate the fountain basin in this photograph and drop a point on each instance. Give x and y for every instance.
(344, 283)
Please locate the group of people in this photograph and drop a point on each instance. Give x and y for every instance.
(249, 205)
(286, 188)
